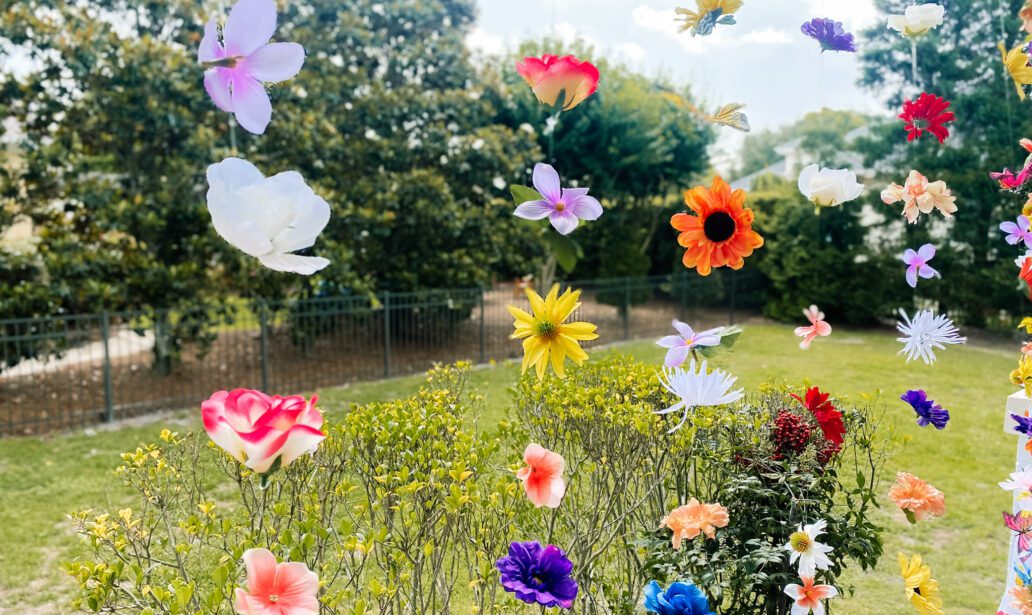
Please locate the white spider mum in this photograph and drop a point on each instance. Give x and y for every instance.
(926, 332)
(698, 388)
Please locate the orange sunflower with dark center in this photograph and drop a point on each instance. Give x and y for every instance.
(721, 233)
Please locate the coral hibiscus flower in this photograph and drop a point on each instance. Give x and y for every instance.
(927, 113)
(542, 476)
(721, 233)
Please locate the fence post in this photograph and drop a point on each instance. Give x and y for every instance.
(263, 321)
(627, 309)
(483, 329)
(386, 334)
(731, 299)
(109, 394)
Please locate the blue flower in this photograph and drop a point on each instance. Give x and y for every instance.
(928, 412)
(538, 574)
(830, 34)
(678, 599)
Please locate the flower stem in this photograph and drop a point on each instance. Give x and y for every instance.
(913, 62)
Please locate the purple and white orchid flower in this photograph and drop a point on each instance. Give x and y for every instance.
(680, 346)
(917, 264)
(564, 207)
(241, 61)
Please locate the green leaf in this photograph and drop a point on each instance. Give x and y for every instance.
(523, 194)
(566, 250)
(910, 516)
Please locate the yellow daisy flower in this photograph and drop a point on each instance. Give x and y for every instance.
(708, 14)
(922, 590)
(545, 336)
(1022, 376)
(1016, 63)
(1026, 324)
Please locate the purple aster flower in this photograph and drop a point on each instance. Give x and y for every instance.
(1019, 231)
(678, 599)
(917, 264)
(1024, 424)
(240, 62)
(538, 574)
(564, 207)
(928, 412)
(681, 345)
(830, 34)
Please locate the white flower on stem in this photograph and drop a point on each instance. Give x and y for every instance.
(829, 187)
(803, 546)
(926, 332)
(698, 388)
(918, 19)
(267, 217)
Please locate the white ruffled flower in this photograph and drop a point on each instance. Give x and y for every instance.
(803, 546)
(918, 19)
(267, 217)
(698, 388)
(926, 332)
(829, 187)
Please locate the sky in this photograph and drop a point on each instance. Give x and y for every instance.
(764, 61)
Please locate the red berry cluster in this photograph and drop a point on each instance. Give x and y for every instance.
(791, 434)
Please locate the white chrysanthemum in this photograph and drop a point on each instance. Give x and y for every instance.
(926, 332)
(803, 546)
(698, 388)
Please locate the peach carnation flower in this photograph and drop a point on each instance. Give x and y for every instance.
(1022, 600)
(917, 498)
(694, 518)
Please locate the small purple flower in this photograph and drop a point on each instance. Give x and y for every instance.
(917, 264)
(928, 412)
(830, 34)
(1019, 231)
(1024, 424)
(240, 62)
(538, 574)
(564, 207)
(680, 346)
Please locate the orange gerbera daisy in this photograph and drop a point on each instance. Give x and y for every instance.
(721, 233)
(692, 519)
(917, 498)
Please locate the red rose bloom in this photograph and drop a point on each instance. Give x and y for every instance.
(927, 113)
(827, 416)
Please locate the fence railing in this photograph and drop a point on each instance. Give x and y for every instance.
(71, 371)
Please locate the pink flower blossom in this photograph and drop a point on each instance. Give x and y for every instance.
(240, 62)
(809, 597)
(917, 264)
(289, 588)
(686, 340)
(543, 476)
(1019, 231)
(818, 327)
(551, 76)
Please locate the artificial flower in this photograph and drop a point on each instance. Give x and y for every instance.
(920, 196)
(564, 207)
(678, 599)
(707, 14)
(1020, 484)
(1025, 275)
(546, 337)
(551, 77)
(241, 61)
(829, 187)
(924, 333)
(1026, 324)
(1019, 231)
(268, 218)
(693, 519)
(828, 418)
(917, 498)
(681, 345)
(1022, 375)
(830, 34)
(1021, 525)
(1026, 348)
(1022, 424)
(928, 412)
(721, 233)
(538, 575)
(803, 546)
(917, 264)
(698, 388)
(927, 113)
(262, 432)
(1022, 599)
(287, 588)
(808, 597)
(542, 476)
(922, 590)
(1016, 62)
(1014, 182)
(1025, 15)
(818, 327)
(918, 19)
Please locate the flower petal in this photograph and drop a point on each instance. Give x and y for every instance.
(251, 24)
(261, 571)
(564, 222)
(293, 263)
(210, 49)
(585, 207)
(534, 210)
(275, 62)
(251, 104)
(546, 181)
(217, 83)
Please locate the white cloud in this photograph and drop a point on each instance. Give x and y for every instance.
(481, 41)
(853, 13)
(766, 36)
(630, 52)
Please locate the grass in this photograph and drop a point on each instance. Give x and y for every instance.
(43, 479)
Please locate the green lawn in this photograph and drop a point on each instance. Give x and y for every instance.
(43, 479)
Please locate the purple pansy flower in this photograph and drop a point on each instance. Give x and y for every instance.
(1018, 231)
(1024, 424)
(564, 207)
(240, 62)
(830, 34)
(917, 264)
(680, 346)
(538, 574)
(928, 412)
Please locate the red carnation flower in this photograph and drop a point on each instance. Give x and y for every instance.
(928, 112)
(827, 416)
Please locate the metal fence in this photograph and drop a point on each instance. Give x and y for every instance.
(70, 371)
